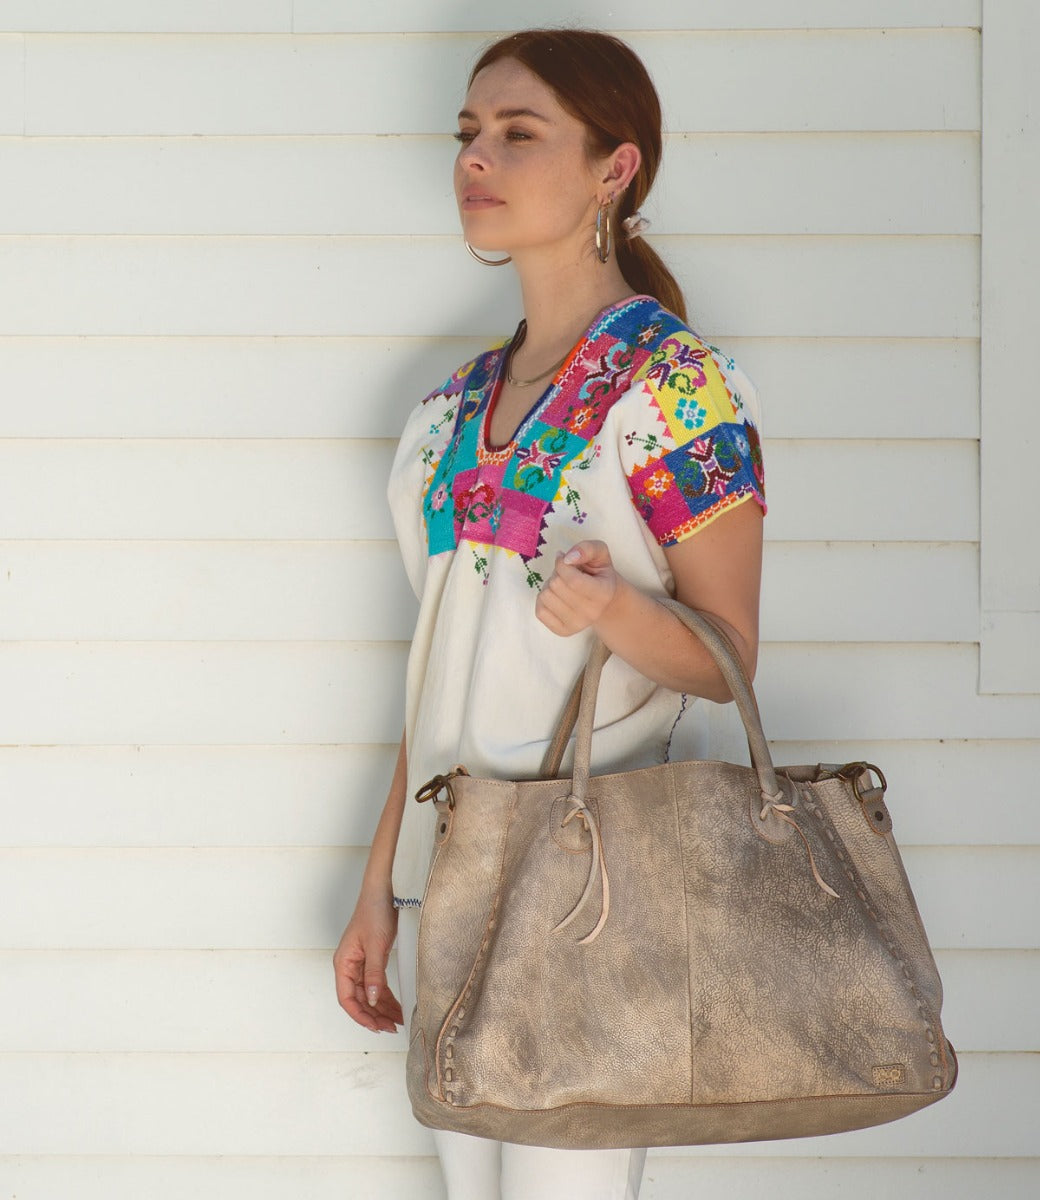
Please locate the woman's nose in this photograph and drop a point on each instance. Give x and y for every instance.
(472, 155)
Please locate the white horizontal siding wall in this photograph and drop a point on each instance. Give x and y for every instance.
(224, 242)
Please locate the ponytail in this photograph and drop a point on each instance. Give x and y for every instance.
(645, 272)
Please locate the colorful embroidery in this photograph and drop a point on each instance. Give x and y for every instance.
(691, 456)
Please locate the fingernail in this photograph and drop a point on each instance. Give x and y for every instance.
(572, 556)
(373, 994)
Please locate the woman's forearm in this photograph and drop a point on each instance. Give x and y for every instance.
(376, 880)
(654, 641)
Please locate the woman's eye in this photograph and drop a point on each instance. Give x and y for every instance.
(518, 135)
(464, 136)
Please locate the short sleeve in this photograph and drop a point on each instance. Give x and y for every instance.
(689, 445)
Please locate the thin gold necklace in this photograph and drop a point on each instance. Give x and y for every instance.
(518, 341)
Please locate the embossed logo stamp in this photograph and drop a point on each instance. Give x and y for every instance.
(890, 1075)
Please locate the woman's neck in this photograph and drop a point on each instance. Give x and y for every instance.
(560, 304)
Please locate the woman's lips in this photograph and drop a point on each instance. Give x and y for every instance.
(477, 200)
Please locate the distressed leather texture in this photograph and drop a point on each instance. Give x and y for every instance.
(725, 997)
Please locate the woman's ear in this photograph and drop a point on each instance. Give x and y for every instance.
(622, 166)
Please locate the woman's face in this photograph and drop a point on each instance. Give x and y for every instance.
(523, 178)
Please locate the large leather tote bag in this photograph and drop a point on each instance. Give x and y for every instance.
(691, 953)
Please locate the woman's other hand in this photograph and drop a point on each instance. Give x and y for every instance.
(360, 965)
(579, 591)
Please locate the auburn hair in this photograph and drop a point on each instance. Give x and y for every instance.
(603, 83)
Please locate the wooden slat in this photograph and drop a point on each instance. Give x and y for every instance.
(872, 491)
(821, 183)
(365, 387)
(12, 79)
(133, 84)
(141, 16)
(339, 1105)
(335, 591)
(322, 15)
(1009, 657)
(280, 693)
(332, 795)
(819, 592)
(827, 183)
(862, 693)
(763, 286)
(908, 491)
(184, 1001)
(192, 795)
(665, 1178)
(201, 693)
(669, 1177)
(222, 387)
(99, 1177)
(207, 490)
(833, 387)
(205, 591)
(261, 898)
(941, 792)
(336, 16)
(180, 1001)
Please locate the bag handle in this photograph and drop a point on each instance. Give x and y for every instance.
(581, 704)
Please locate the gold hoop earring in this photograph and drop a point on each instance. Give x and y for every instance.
(488, 262)
(604, 232)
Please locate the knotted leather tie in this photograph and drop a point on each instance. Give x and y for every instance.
(598, 864)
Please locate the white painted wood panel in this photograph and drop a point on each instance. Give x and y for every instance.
(940, 792)
(861, 388)
(193, 795)
(944, 791)
(338, 591)
(213, 693)
(365, 387)
(12, 80)
(186, 16)
(273, 387)
(867, 491)
(849, 592)
(201, 693)
(308, 84)
(763, 286)
(330, 1177)
(259, 898)
(282, 489)
(241, 1001)
(845, 692)
(206, 490)
(179, 1001)
(349, 15)
(673, 1178)
(328, 1104)
(205, 591)
(356, 16)
(1009, 659)
(776, 183)
(1010, 548)
(98, 1177)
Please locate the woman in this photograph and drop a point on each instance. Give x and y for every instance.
(546, 495)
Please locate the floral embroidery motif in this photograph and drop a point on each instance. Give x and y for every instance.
(696, 453)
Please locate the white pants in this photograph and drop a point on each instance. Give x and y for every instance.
(481, 1169)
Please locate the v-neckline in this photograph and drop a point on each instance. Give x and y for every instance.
(503, 358)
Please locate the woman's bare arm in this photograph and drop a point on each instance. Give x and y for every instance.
(717, 570)
(361, 957)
